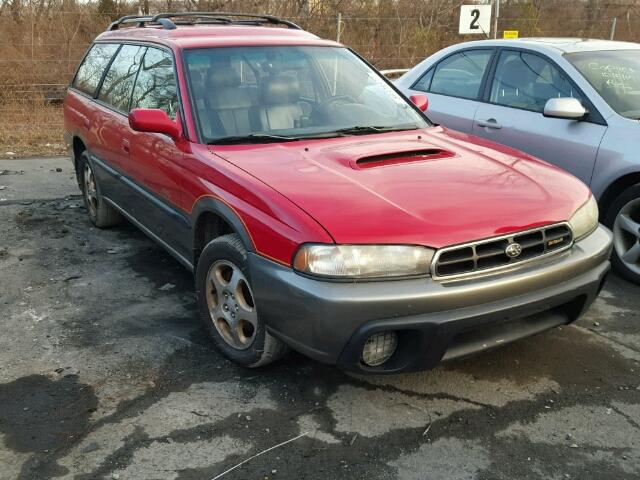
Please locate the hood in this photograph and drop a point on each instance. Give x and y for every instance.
(432, 187)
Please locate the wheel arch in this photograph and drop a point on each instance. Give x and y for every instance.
(615, 189)
(211, 218)
(78, 145)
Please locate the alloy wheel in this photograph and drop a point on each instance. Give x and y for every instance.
(90, 190)
(626, 233)
(231, 305)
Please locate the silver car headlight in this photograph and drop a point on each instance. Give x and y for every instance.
(585, 220)
(363, 261)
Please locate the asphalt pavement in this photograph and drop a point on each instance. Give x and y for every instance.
(105, 373)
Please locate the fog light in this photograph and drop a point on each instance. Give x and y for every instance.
(379, 348)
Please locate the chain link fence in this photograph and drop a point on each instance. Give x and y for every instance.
(41, 47)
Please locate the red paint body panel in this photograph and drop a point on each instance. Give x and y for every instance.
(276, 226)
(482, 191)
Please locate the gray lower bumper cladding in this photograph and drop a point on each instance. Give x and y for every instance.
(434, 321)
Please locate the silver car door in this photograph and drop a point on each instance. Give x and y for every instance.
(520, 87)
(453, 86)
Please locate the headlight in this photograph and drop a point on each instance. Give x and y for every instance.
(585, 220)
(363, 261)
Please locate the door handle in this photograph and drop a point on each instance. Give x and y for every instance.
(491, 123)
(125, 145)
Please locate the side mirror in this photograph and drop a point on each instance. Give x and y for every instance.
(154, 121)
(569, 108)
(420, 101)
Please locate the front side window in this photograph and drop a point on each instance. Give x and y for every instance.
(156, 83)
(460, 75)
(290, 92)
(524, 80)
(93, 67)
(615, 75)
(117, 85)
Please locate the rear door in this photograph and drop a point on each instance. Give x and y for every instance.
(112, 109)
(454, 85)
(521, 83)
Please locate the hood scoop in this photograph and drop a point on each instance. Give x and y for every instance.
(396, 158)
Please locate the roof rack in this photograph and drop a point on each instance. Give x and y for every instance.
(170, 21)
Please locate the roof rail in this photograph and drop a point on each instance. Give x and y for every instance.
(140, 19)
(170, 21)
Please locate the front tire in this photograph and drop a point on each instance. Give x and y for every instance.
(623, 218)
(101, 214)
(227, 305)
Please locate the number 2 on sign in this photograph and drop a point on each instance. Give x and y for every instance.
(475, 15)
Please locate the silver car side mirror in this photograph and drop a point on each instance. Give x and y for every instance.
(569, 108)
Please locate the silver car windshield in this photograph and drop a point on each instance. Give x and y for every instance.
(280, 93)
(615, 75)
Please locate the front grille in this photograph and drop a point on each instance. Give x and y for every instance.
(491, 254)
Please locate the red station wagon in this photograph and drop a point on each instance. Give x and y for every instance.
(318, 209)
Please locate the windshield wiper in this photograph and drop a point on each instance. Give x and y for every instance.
(364, 129)
(252, 138)
(267, 138)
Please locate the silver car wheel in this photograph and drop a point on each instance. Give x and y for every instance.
(90, 190)
(231, 306)
(626, 235)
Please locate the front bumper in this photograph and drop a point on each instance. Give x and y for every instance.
(435, 320)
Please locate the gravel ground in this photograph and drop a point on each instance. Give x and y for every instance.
(105, 372)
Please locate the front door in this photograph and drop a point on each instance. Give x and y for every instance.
(520, 87)
(155, 160)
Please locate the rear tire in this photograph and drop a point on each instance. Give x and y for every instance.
(623, 218)
(227, 307)
(101, 214)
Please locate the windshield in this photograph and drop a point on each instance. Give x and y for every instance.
(616, 77)
(291, 92)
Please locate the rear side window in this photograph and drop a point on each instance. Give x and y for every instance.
(460, 75)
(156, 83)
(117, 86)
(93, 67)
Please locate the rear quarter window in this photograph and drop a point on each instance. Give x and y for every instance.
(424, 83)
(93, 66)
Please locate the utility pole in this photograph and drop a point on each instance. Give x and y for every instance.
(495, 18)
(339, 27)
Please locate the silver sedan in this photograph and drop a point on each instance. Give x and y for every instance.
(572, 102)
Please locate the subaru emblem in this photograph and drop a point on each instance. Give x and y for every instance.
(513, 250)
